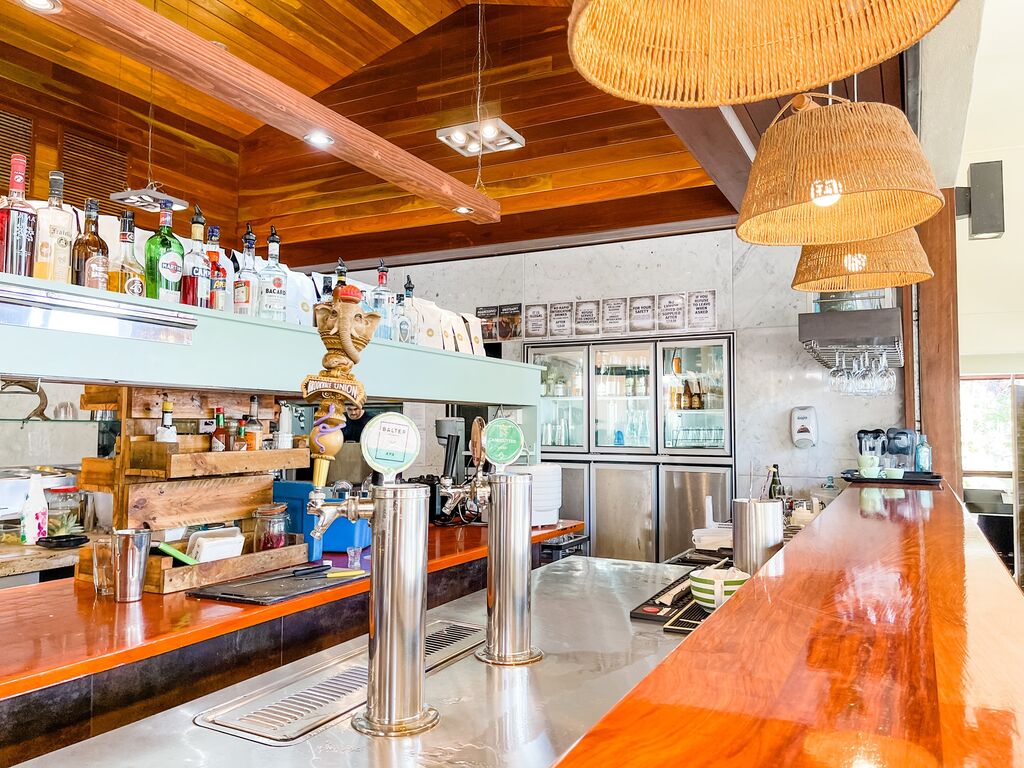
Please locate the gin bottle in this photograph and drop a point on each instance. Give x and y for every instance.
(406, 316)
(273, 282)
(382, 302)
(245, 290)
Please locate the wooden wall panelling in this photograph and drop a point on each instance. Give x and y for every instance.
(675, 212)
(191, 160)
(940, 344)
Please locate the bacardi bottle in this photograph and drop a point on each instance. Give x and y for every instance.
(52, 252)
(17, 223)
(126, 274)
(165, 259)
(218, 273)
(274, 282)
(90, 258)
(247, 282)
(195, 280)
(381, 302)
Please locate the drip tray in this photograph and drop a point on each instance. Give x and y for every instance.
(294, 709)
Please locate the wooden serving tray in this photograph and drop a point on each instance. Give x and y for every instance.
(164, 577)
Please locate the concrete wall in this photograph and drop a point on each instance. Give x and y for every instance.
(773, 372)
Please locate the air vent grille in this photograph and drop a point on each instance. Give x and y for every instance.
(92, 169)
(15, 136)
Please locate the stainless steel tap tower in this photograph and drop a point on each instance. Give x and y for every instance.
(398, 515)
(509, 544)
(508, 500)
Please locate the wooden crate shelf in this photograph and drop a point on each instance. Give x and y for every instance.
(164, 461)
(165, 575)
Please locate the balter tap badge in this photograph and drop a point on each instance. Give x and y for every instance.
(345, 329)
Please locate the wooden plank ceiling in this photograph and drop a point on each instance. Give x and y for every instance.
(583, 146)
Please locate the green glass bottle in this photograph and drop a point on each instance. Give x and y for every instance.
(165, 260)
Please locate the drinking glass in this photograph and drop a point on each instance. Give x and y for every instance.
(102, 566)
(355, 555)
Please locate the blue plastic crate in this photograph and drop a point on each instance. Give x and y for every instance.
(342, 534)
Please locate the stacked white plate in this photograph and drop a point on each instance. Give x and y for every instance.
(547, 491)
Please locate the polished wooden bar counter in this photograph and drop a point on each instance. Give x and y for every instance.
(887, 633)
(59, 631)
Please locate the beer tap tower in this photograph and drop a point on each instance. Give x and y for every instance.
(509, 502)
(398, 515)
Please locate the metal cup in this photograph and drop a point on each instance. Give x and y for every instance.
(756, 532)
(129, 554)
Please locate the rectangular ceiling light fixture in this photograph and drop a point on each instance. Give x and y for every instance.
(472, 139)
(148, 199)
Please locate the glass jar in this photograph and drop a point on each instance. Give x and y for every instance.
(64, 510)
(271, 530)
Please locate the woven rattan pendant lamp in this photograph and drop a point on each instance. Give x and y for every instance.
(705, 53)
(840, 173)
(886, 262)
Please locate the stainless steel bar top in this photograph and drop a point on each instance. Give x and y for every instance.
(490, 716)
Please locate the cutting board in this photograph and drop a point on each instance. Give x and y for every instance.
(274, 590)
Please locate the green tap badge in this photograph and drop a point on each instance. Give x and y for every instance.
(503, 442)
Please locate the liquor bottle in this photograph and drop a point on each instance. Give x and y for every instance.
(340, 279)
(165, 259)
(17, 223)
(90, 258)
(52, 253)
(218, 273)
(687, 396)
(696, 397)
(775, 489)
(166, 432)
(195, 277)
(923, 455)
(253, 426)
(406, 316)
(125, 274)
(273, 283)
(247, 283)
(381, 300)
(219, 438)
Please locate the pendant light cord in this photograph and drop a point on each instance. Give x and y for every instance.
(481, 53)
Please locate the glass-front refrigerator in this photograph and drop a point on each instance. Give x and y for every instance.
(695, 409)
(623, 398)
(564, 425)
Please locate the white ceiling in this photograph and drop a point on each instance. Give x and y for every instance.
(990, 273)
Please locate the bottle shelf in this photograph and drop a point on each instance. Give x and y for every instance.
(562, 398)
(163, 461)
(697, 411)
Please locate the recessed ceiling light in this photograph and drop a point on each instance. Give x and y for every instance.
(318, 138)
(489, 131)
(465, 210)
(473, 147)
(458, 137)
(43, 6)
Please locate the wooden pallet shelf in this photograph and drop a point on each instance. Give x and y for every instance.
(167, 462)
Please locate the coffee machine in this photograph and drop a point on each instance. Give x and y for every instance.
(895, 447)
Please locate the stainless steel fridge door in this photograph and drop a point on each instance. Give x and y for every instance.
(703, 364)
(622, 511)
(575, 492)
(623, 398)
(682, 494)
(563, 419)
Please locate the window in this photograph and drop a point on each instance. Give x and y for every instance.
(986, 432)
(92, 169)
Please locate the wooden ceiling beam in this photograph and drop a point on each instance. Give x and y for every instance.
(160, 43)
(719, 143)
